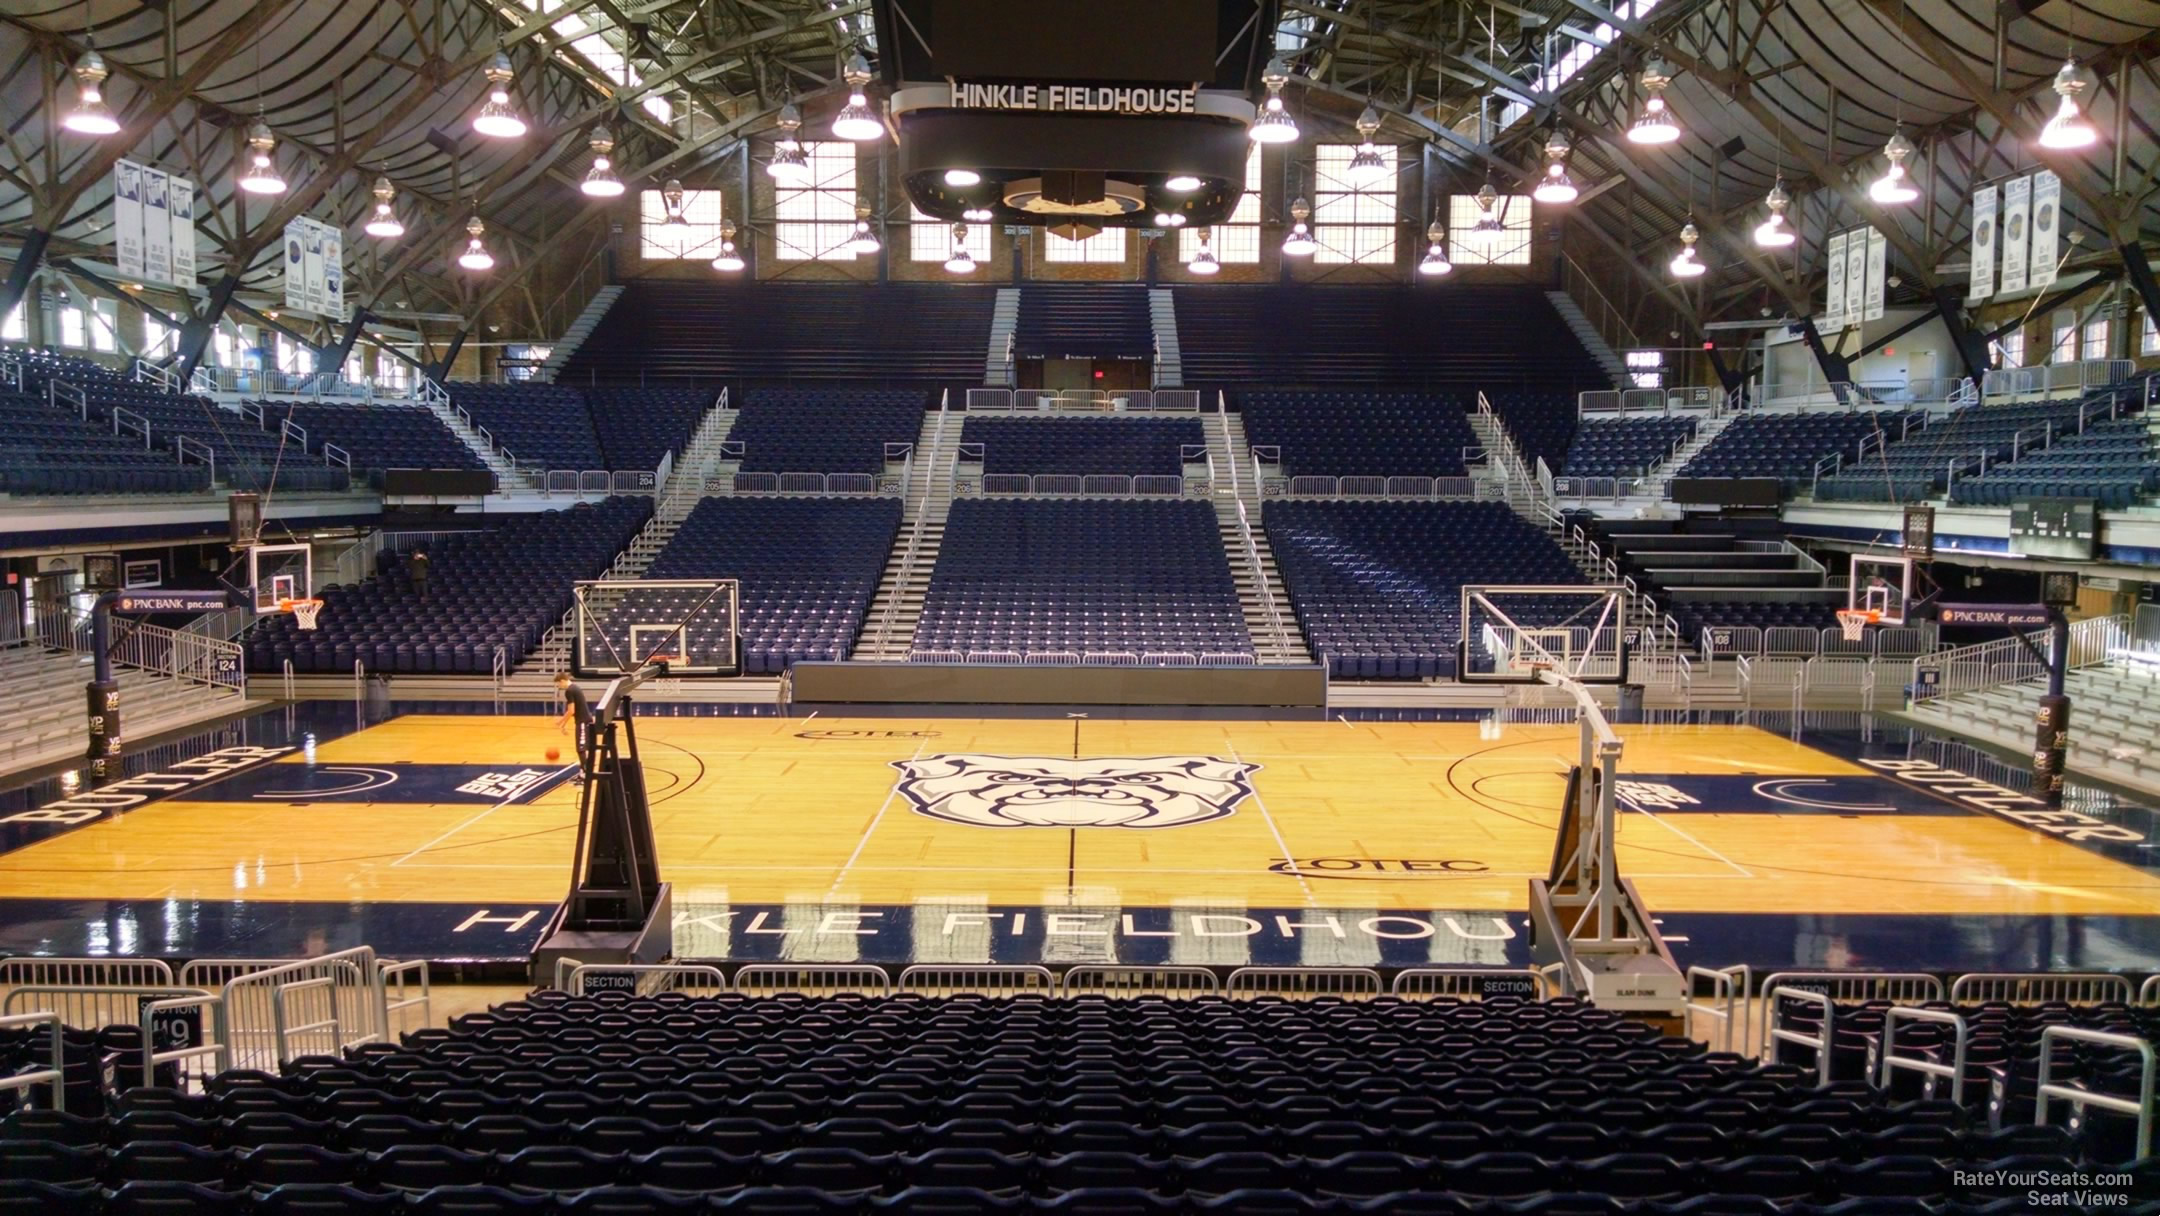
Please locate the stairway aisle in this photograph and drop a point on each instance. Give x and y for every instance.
(580, 329)
(1169, 355)
(1659, 484)
(1579, 324)
(1004, 318)
(888, 631)
(1266, 603)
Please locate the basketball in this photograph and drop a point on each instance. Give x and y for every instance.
(554, 753)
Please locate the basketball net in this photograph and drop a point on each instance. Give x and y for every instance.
(304, 611)
(1854, 621)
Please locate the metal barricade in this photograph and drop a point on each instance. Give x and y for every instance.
(1468, 984)
(92, 1008)
(1897, 987)
(802, 483)
(1791, 640)
(337, 1002)
(1362, 487)
(1055, 483)
(1158, 484)
(1050, 658)
(1728, 1008)
(54, 1075)
(398, 982)
(850, 483)
(1303, 983)
(1313, 487)
(1892, 1061)
(2040, 988)
(585, 979)
(1109, 658)
(182, 1041)
(964, 979)
(1106, 483)
(87, 973)
(1117, 981)
(561, 481)
(1774, 1030)
(845, 979)
(2140, 1107)
(757, 483)
(1409, 487)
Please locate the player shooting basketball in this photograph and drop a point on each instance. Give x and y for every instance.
(577, 711)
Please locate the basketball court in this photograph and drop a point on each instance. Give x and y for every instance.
(450, 836)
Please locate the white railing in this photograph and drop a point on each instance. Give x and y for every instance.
(1071, 485)
(177, 653)
(2010, 660)
(54, 1074)
(804, 483)
(317, 1006)
(1265, 589)
(922, 522)
(1082, 401)
(1516, 473)
(151, 373)
(1403, 489)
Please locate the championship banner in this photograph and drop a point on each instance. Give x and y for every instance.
(128, 219)
(1983, 245)
(333, 254)
(2046, 229)
(1878, 269)
(1855, 275)
(1834, 285)
(157, 226)
(313, 263)
(180, 195)
(2016, 241)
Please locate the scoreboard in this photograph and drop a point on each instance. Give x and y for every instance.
(2053, 527)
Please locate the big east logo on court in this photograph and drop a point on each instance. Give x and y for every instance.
(1099, 792)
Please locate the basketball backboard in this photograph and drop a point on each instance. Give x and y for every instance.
(690, 625)
(280, 574)
(1511, 632)
(1881, 584)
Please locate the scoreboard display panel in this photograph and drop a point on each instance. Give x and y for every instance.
(2054, 527)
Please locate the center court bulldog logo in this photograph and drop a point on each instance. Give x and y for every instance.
(1098, 792)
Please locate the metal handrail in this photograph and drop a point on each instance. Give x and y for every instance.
(1891, 1060)
(1729, 984)
(922, 520)
(54, 1076)
(2079, 1097)
(1774, 1026)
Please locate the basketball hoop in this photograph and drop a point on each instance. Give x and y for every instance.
(1854, 621)
(304, 611)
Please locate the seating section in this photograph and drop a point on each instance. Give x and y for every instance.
(1541, 424)
(1360, 432)
(1694, 616)
(1130, 446)
(543, 425)
(1918, 465)
(824, 430)
(501, 587)
(2111, 461)
(1081, 576)
(637, 425)
(377, 437)
(1624, 448)
(808, 567)
(1461, 339)
(246, 454)
(1786, 446)
(660, 1104)
(1377, 585)
(46, 449)
(1084, 321)
(719, 332)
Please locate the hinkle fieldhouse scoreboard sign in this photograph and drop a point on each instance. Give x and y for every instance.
(1076, 98)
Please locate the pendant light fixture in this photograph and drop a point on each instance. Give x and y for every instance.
(1300, 242)
(1774, 232)
(1182, 183)
(1274, 125)
(856, 120)
(1203, 259)
(788, 165)
(730, 260)
(384, 223)
(498, 119)
(1684, 264)
(261, 176)
(1488, 223)
(1170, 219)
(978, 215)
(1366, 167)
(961, 261)
(1436, 260)
(864, 241)
(476, 256)
(90, 115)
(600, 180)
(2069, 128)
(1895, 186)
(671, 203)
(1556, 187)
(1654, 123)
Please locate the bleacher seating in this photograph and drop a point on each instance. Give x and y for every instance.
(639, 424)
(1541, 424)
(1083, 321)
(807, 566)
(46, 449)
(1079, 576)
(1360, 432)
(1917, 466)
(246, 454)
(543, 425)
(2111, 461)
(501, 587)
(1130, 446)
(1377, 585)
(659, 1104)
(1787, 446)
(1461, 339)
(1624, 447)
(735, 332)
(376, 437)
(842, 429)
(1694, 616)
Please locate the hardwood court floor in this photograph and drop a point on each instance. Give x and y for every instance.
(1339, 815)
